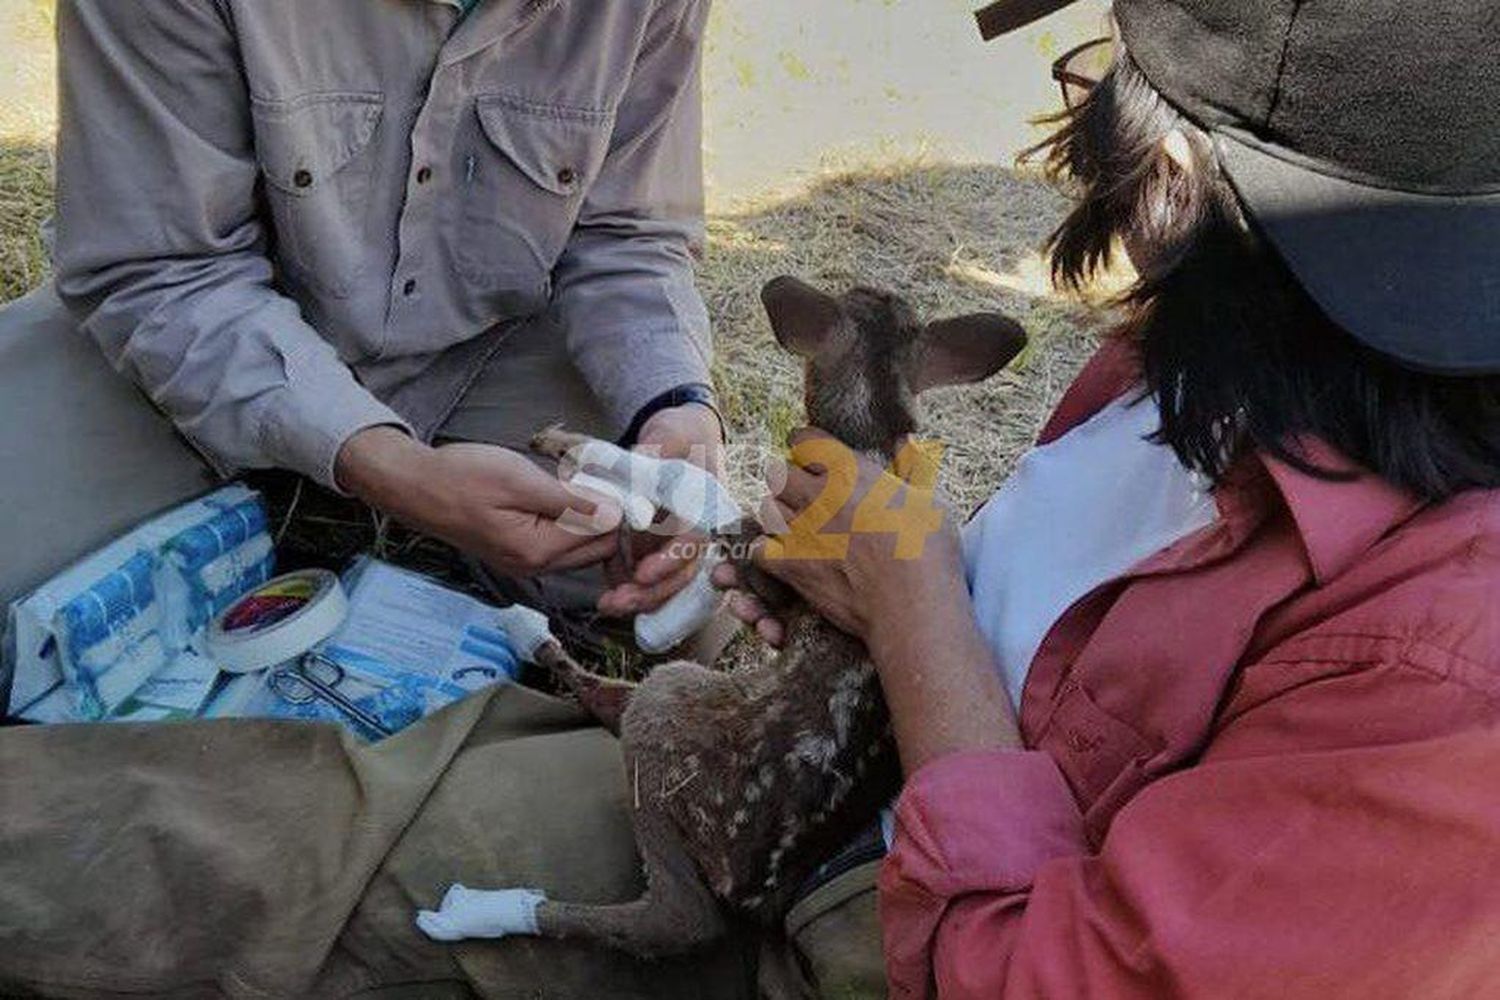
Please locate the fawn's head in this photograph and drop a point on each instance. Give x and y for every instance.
(868, 356)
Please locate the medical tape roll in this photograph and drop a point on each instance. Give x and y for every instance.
(278, 621)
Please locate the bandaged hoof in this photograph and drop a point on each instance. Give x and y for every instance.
(475, 913)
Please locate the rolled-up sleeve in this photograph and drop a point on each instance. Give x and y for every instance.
(1329, 842)
(967, 824)
(161, 248)
(625, 284)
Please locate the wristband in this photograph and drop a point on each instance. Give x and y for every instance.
(690, 392)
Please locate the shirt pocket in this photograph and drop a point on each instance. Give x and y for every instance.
(1099, 755)
(314, 154)
(523, 190)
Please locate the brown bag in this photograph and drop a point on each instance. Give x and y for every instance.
(836, 929)
(831, 947)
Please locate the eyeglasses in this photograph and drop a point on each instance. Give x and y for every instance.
(1080, 69)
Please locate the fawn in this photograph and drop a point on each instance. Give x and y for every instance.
(744, 782)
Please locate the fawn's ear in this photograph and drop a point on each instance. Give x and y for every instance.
(802, 317)
(966, 349)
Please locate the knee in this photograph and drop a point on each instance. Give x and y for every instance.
(37, 315)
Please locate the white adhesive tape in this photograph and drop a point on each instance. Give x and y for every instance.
(526, 628)
(278, 621)
(640, 512)
(688, 610)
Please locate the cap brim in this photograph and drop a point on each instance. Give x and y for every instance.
(1413, 276)
(1004, 16)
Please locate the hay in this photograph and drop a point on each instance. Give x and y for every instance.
(25, 200)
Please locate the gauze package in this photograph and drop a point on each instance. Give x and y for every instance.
(118, 635)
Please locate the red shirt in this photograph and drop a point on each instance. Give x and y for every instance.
(1264, 763)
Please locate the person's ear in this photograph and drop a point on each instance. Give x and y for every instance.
(802, 317)
(966, 349)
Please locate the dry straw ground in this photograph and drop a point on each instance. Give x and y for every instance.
(25, 187)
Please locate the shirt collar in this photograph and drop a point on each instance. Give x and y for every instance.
(491, 22)
(1337, 520)
(1107, 376)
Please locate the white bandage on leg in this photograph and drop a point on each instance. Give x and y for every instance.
(476, 913)
(643, 484)
(640, 512)
(526, 628)
(687, 611)
(696, 497)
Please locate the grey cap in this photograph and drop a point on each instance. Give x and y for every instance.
(1363, 137)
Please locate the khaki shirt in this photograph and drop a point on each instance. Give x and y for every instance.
(288, 220)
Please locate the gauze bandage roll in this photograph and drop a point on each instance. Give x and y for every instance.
(639, 511)
(693, 495)
(642, 485)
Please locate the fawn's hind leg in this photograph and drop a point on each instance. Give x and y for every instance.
(605, 698)
(677, 913)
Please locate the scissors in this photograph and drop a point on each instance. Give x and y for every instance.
(316, 678)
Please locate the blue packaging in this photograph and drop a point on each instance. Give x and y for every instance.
(88, 644)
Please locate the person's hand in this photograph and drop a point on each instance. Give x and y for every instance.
(870, 550)
(864, 541)
(691, 431)
(745, 605)
(664, 560)
(490, 502)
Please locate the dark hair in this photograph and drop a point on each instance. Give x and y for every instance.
(1237, 354)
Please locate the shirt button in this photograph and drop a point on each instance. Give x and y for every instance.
(566, 176)
(409, 287)
(302, 178)
(424, 175)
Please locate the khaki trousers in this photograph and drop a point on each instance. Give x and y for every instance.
(257, 859)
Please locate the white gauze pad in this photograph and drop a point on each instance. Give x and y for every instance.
(475, 913)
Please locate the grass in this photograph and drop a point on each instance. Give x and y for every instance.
(25, 200)
(26, 125)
